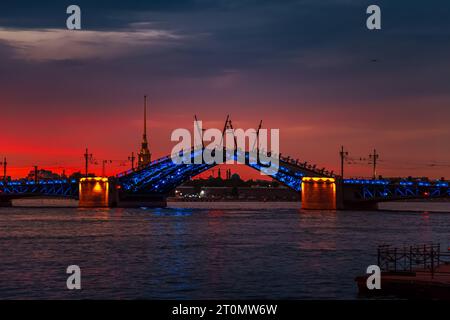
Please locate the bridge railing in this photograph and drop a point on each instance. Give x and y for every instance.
(438, 183)
(152, 163)
(39, 182)
(295, 162)
(310, 167)
(366, 181)
(426, 257)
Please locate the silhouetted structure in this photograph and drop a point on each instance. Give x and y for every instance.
(144, 157)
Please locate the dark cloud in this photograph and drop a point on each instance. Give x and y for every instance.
(321, 49)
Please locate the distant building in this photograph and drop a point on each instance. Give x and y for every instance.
(42, 175)
(77, 175)
(190, 193)
(144, 156)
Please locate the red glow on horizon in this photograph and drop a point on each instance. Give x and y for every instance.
(57, 142)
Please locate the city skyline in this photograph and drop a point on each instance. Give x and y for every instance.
(315, 73)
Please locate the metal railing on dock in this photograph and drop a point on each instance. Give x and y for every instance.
(427, 257)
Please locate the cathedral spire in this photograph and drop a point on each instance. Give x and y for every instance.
(144, 157)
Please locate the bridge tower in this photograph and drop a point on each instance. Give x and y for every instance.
(144, 156)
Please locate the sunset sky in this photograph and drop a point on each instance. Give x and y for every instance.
(310, 68)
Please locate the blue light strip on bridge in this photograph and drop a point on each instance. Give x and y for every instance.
(372, 182)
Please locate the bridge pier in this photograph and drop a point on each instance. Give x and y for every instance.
(319, 194)
(94, 192)
(327, 194)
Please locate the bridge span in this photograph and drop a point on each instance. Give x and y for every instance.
(149, 186)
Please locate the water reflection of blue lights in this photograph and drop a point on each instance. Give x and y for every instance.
(169, 212)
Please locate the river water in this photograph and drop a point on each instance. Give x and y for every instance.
(203, 250)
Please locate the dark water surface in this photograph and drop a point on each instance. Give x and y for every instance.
(268, 251)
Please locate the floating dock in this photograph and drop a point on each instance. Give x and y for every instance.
(416, 272)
